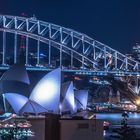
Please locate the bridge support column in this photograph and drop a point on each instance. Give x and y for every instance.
(61, 56)
(4, 48)
(49, 59)
(38, 52)
(71, 59)
(82, 62)
(105, 58)
(94, 51)
(115, 60)
(27, 51)
(15, 49)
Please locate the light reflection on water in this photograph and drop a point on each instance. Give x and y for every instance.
(116, 116)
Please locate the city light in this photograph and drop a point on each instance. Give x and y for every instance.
(138, 102)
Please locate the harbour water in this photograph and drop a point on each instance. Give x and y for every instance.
(115, 118)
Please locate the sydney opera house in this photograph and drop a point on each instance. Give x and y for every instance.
(48, 95)
(51, 106)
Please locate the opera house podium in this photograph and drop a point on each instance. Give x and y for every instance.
(45, 127)
(51, 127)
(81, 129)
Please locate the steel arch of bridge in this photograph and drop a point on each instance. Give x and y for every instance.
(85, 49)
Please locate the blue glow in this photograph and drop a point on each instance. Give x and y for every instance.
(47, 91)
(68, 103)
(16, 73)
(70, 98)
(32, 107)
(81, 98)
(17, 101)
(22, 104)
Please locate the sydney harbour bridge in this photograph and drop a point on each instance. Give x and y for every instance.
(47, 46)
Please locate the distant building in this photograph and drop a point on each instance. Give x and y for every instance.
(136, 51)
(114, 99)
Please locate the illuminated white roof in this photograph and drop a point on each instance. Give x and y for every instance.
(81, 98)
(16, 73)
(47, 91)
(68, 102)
(32, 107)
(17, 101)
(22, 104)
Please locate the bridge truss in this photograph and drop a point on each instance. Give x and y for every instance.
(79, 46)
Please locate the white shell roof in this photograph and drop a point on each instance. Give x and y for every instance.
(68, 102)
(17, 101)
(16, 73)
(47, 91)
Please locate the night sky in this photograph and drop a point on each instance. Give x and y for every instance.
(113, 22)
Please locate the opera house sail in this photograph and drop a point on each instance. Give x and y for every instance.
(15, 80)
(81, 98)
(16, 73)
(17, 101)
(68, 102)
(47, 91)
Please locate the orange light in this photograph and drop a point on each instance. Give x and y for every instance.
(77, 78)
(95, 78)
(138, 102)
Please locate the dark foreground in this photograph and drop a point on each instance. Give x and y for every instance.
(117, 130)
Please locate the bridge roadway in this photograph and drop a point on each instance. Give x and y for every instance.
(81, 71)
